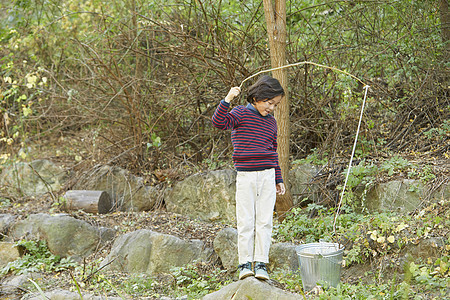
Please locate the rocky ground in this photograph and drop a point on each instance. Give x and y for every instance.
(157, 220)
(123, 222)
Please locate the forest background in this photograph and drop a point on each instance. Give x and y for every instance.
(133, 83)
(141, 78)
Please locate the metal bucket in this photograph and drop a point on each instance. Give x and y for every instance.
(320, 262)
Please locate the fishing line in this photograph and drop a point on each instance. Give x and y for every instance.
(366, 87)
(301, 63)
(351, 160)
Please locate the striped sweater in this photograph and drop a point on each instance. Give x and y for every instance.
(254, 137)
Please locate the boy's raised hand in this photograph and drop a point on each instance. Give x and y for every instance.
(234, 92)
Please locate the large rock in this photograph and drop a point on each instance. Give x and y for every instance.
(401, 196)
(32, 179)
(251, 288)
(8, 252)
(395, 196)
(429, 247)
(210, 195)
(6, 220)
(65, 235)
(301, 182)
(18, 284)
(146, 251)
(442, 193)
(66, 295)
(282, 256)
(207, 196)
(128, 191)
(225, 245)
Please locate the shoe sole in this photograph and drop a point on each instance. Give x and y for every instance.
(262, 277)
(246, 275)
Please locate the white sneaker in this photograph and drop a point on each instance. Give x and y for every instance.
(245, 270)
(261, 271)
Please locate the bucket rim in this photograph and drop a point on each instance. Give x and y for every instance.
(339, 249)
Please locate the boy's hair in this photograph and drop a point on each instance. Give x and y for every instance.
(265, 88)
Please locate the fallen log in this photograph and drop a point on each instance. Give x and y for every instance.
(88, 201)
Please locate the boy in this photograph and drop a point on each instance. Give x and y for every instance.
(258, 180)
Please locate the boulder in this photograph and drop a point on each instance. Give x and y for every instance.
(8, 252)
(128, 192)
(146, 251)
(401, 196)
(442, 193)
(66, 295)
(17, 284)
(65, 235)
(32, 179)
(6, 220)
(251, 288)
(395, 196)
(429, 247)
(225, 245)
(107, 234)
(282, 256)
(208, 196)
(301, 182)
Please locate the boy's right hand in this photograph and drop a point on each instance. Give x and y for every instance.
(234, 92)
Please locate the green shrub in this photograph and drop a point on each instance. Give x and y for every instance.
(37, 258)
(365, 236)
(195, 282)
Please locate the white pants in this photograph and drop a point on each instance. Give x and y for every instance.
(255, 200)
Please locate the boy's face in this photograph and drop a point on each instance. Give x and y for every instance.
(265, 107)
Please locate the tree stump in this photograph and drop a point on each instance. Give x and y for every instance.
(88, 201)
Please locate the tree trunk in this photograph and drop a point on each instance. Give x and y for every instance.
(88, 201)
(276, 30)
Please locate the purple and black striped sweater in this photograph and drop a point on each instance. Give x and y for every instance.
(254, 137)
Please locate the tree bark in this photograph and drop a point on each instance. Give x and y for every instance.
(276, 30)
(88, 201)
